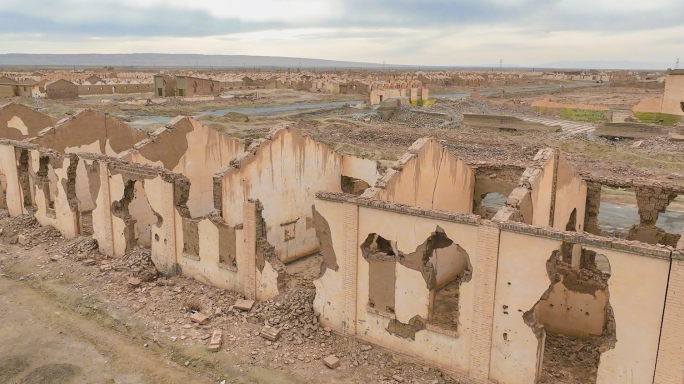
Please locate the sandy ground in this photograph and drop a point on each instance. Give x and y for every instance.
(47, 340)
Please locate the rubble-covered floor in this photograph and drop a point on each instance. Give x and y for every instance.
(568, 360)
(445, 310)
(157, 312)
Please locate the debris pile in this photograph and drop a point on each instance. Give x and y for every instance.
(569, 360)
(138, 261)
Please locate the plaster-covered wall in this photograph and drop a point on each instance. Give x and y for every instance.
(192, 149)
(283, 172)
(360, 168)
(19, 122)
(208, 269)
(637, 286)
(571, 195)
(431, 177)
(63, 216)
(90, 131)
(14, 195)
(412, 296)
(521, 280)
(573, 312)
(637, 308)
(542, 192)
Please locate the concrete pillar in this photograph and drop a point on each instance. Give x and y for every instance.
(349, 266)
(484, 275)
(248, 274)
(671, 349)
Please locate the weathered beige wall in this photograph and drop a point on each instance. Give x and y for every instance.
(542, 192)
(91, 131)
(163, 250)
(207, 269)
(521, 281)
(571, 194)
(8, 167)
(102, 222)
(449, 263)
(637, 289)
(329, 287)
(65, 219)
(117, 186)
(19, 122)
(87, 183)
(140, 210)
(432, 178)
(568, 312)
(674, 95)
(284, 173)
(194, 150)
(360, 168)
(412, 295)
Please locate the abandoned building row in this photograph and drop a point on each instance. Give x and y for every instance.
(414, 258)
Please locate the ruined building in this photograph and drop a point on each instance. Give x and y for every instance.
(416, 258)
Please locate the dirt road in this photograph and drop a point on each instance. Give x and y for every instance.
(44, 342)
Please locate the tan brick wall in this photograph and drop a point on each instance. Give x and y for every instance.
(670, 363)
(350, 246)
(484, 274)
(248, 274)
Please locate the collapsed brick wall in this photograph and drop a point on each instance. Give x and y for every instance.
(591, 223)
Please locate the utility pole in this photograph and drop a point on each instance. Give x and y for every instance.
(677, 64)
(501, 64)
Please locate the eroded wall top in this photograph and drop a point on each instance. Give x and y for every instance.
(19, 122)
(90, 131)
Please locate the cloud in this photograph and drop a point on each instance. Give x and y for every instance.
(440, 32)
(60, 17)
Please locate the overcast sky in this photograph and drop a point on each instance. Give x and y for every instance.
(427, 32)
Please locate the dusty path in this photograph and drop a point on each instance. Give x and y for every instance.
(44, 342)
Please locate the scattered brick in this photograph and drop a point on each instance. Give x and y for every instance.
(199, 318)
(215, 343)
(270, 333)
(244, 305)
(331, 362)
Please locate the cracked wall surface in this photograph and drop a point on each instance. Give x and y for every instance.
(429, 176)
(190, 148)
(283, 171)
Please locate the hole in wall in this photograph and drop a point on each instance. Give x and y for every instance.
(573, 320)
(353, 186)
(381, 256)
(618, 211)
(491, 203)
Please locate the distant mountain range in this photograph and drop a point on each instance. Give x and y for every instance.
(165, 60)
